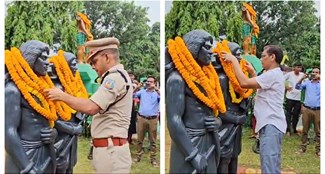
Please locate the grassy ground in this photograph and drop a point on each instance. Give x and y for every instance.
(306, 163)
(85, 166)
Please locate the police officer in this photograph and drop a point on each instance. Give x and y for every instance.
(110, 106)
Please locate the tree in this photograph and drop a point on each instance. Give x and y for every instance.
(294, 26)
(139, 44)
(49, 22)
(217, 18)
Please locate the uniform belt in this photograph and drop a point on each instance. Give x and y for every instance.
(312, 108)
(103, 142)
(148, 117)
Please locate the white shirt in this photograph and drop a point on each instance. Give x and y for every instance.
(268, 107)
(291, 81)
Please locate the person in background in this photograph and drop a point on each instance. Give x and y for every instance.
(132, 127)
(293, 105)
(311, 110)
(147, 118)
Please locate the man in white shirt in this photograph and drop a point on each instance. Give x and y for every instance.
(268, 109)
(293, 104)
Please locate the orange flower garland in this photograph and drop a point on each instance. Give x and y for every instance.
(192, 72)
(28, 83)
(228, 68)
(62, 108)
(72, 85)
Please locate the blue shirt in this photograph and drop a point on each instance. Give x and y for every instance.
(312, 93)
(149, 102)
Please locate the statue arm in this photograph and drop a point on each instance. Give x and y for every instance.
(249, 18)
(175, 106)
(234, 119)
(68, 127)
(12, 121)
(82, 25)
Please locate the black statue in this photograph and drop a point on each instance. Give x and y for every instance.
(66, 141)
(28, 136)
(230, 131)
(192, 125)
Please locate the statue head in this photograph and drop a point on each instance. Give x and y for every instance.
(215, 57)
(199, 43)
(235, 49)
(36, 54)
(72, 61)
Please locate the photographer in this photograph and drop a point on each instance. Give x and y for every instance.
(147, 119)
(311, 108)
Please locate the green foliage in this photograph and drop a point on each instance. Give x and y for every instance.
(139, 43)
(294, 26)
(217, 18)
(49, 22)
(54, 22)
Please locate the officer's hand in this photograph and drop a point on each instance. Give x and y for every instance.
(199, 163)
(48, 135)
(210, 123)
(241, 119)
(54, 94)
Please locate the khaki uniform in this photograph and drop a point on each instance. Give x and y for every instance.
(113, 122)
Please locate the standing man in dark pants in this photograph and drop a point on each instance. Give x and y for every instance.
(311, 109)
(148, 118)
(293, 98)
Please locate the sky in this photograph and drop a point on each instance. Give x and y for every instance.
(153, 11)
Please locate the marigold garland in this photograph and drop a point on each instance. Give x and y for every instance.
(229, 70)
(192, 72)
(28, 83)
(61, 108)
(73, 85)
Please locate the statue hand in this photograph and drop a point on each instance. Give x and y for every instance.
(211, 123)
(31, 169)
(35, 170)
(77, 130)
(48, 135)
(199, 163)
(241, 119)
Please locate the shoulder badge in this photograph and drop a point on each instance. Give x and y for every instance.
(109, 84)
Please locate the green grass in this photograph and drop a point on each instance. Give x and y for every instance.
(305, 163)
(85, 166)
